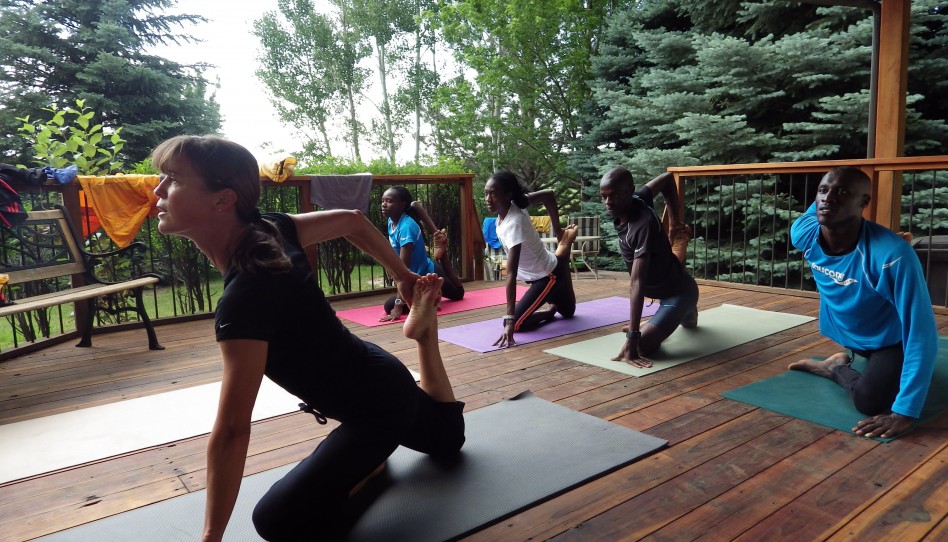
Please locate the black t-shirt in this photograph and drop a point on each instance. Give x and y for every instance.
(310, 353)
(642, 235)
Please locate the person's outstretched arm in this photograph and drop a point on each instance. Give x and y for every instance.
(630, 350)
(506, 339)
(321, 226)
(547, 199)
(664, 184)
(422, 214)
(244, 362)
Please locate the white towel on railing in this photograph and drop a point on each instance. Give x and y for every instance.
(341, 191)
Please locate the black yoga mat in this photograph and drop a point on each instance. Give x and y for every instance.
(518, 453)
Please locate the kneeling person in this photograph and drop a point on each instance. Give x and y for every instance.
(873, 301)
(653, 269)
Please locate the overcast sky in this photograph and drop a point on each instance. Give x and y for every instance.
(230, 45)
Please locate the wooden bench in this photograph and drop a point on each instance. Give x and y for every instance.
(45, 247)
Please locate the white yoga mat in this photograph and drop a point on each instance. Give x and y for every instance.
(55, 442)
(718, 329)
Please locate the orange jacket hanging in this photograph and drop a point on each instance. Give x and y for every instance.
(121, 203)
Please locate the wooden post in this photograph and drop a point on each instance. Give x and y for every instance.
(470, 255)
(895, 22)
(70, 193)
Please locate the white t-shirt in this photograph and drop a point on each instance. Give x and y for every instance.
(515, 229)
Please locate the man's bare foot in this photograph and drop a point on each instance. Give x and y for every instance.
(440, 243)
(907, 235)
(822, 368)
(423, 318)
(565, 244)
(680, 237)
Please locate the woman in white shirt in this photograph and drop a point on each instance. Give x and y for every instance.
(527, 259)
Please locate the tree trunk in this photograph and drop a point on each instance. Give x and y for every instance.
(386, 106)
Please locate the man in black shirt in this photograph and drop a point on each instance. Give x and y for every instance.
(654, 270)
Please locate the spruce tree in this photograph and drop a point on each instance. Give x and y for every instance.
(56, 51)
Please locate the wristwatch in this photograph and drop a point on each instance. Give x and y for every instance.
(398, 301)
(633, 334)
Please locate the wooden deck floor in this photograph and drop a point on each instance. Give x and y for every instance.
(731, 471)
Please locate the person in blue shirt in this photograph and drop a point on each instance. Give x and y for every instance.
(405, 236)
(873, 301)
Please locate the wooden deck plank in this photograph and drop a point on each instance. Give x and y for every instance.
(731, 470)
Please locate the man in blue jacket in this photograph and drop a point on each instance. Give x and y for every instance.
(873, 301)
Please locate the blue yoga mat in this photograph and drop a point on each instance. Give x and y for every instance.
(820, 400)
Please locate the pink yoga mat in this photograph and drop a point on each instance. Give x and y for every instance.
(480, 336)
(477, 299)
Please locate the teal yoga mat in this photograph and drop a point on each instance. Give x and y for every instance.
(820, 400)
(718, 329)
(518, 452)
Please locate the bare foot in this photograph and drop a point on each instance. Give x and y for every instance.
(822, 368)
(423, 318)
(679, 241)
(440, 242)
(566, 241)
(907, 235)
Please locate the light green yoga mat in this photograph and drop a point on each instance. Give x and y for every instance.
(718, 329)
(820, 400)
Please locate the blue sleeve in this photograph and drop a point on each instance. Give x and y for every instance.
(408, 231)
(803, 232)
(904, 283)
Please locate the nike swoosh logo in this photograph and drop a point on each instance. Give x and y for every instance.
(893, 262)
(222, 326)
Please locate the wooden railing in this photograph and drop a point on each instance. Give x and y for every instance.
(742, 212)
(453, 209)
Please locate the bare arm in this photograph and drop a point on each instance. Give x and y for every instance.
(665, 185)
(424, 217)
(244, 362)
(630, 350)
(547, 199)
(321, 226)
(513, 260)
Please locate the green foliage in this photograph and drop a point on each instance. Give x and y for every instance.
(516, 105)
(379, 166)
(59, 50)
(70, 136)
(679, 83)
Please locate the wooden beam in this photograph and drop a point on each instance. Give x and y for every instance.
(891, 86)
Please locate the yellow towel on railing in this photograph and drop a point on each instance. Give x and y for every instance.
(121, 203)
(541, 223)
(280, 170)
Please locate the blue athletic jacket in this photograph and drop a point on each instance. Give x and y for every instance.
(872, 297)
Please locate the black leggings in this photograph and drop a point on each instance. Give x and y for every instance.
(450, 290)
(312, 501)
(555, 288)
(874, 389)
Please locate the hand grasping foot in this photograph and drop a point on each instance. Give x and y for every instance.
(440, 243)
(422, 320)
(566, 241)
(822, 368)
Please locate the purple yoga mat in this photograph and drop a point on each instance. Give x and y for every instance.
(480, 336)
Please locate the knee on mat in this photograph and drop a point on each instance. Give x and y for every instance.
(870, 405)
(566, 312)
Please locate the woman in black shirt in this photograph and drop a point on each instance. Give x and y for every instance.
(273, 320)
